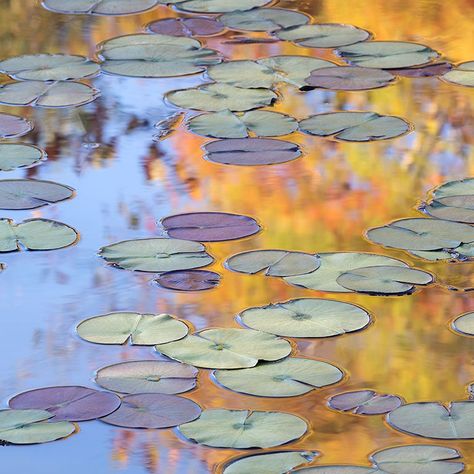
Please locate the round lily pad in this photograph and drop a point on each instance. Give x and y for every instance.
(210, 226)
(31, 427)
(464, 324)
(429, 70)
(191, 280)
(147, 376)
(19, 155)
(153, 410)
(460, 187)
(452, 208)
(242, 429)
(226, 348)
(289, 377)
(68, 403)
(100, 7)
(462, 74)
(355, 126)
(251, 151)
(216, 6)
(191, 26)
(12, 126)
(217, 97)
(16, 194)
(136, 328)
(156, 255)
(307, 317)
(226, 124)
(365, 402)
(277, 263)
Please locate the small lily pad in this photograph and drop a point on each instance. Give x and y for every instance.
(429, 70)
(12, 126)
(136, 328)
(289, 377)
(153, 410)
(216, 6)
(100, 7)
(242, 429)
(191, 26)
(452, 208)
(462, 74)
(147, 376)
(365, 402)
(460, 187)
(464, 324)
(190, 280)
(19, 155)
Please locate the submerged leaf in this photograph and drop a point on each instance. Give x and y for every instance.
(462, 74)
(190, 280)
(192, 26)
(12, 126)
(100, 7)
(365, 402)
(464, 324)
(19, 155)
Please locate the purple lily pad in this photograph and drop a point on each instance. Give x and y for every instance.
(153, 410)
(68, 403)
(192, 280)
(430, 70)
(12, 126)
(210, 226)
(251, 151)
(365, 402)
(193, 26)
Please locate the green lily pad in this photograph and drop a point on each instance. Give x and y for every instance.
(462, 74)
(216, 6)
(454, 188)
(12, 126)
(31, 427)
(226, 124)
(19, 155)
(334, 264)
(464, 324)
(136, 328)
(217, 97)
(242, 429)
(433, 255)
(156, 255)
(307, 317)
(452, 208)
(365, 402)
(387, 54)
(226, 348)
(289, 377)
(100, 7)
(277, 263)
(355, 126)
(192, 26)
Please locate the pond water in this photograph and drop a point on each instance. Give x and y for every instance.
(323, 202)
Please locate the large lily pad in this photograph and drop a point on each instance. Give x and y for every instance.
(216, 6)
(191, 26)
(19, 155)
(464, 324)
(153, 410)
(462, 74)
(306, 317)
(12, 126)
(190, 280)
(429, 70)
(156, 255)
(365, 402)
(136, 328)
(100, 7)
(226, 348)
(147, 376)
(455, 188)
(452, 208)
(289, 377)
(241, 429)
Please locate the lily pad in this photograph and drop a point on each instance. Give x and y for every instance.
(277, 263)
(191, 280)
(100, 7)
(153, 410)
(388, 54)
(68, 403)
(226, 124)
(289, 377)
(216, 6)
(16, 194)
(217, 97)
(307, 317)
(12, 126)
(19, 155)
(355, 126)
(31, 427)
(136, 328)
(464, 324)
(365, 402)
(452, 208)
(251, 151)
(455, 188)
(462, 74)
(147, 376)
(226, 348)
(156, 255)
(242, 429)
(430, 70)
(191, 26)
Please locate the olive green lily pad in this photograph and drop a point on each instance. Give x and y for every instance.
(334, 264)
(216, 6)
(139, 329)
(452, 208)
(387, 54)
(226, 124)
(454, 188)
(277, 263)
(19, 155)
(31, 427)
(306, 317)
(433, 255)
(464, 324)
(156, 255)
(242, 429)
(355, 126)
(289, 377)
(12, 126)
(365, 402)
(217, 97)
(100, 7)
(226, 348)
(462, 74)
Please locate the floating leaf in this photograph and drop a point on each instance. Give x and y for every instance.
(455, 188)
(251, 151)
(462, 74)
(31, 427)
(216, 6)
(136, 328)
(191, 280)
(226, 124)
(153, 410)
(147, 376)
(306, 317)
(452, 208)
(387, 54)
(285, 378)
(191, 26)
(156, 255)
(242, 429)
(430, 70)
(324, 35)
(464, 324)
(19, 155)
(365, 402)
(12, 126)
(217, 97)
(355, 126)
(16, 194)
(277, 263)
(100, 7)
(226, 348)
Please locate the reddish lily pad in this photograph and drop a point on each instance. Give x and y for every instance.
(365, 402)
(430, 70)
(12, 126)
(192, 280)
(192, 26)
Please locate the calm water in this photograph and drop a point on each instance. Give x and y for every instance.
(125, 182)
